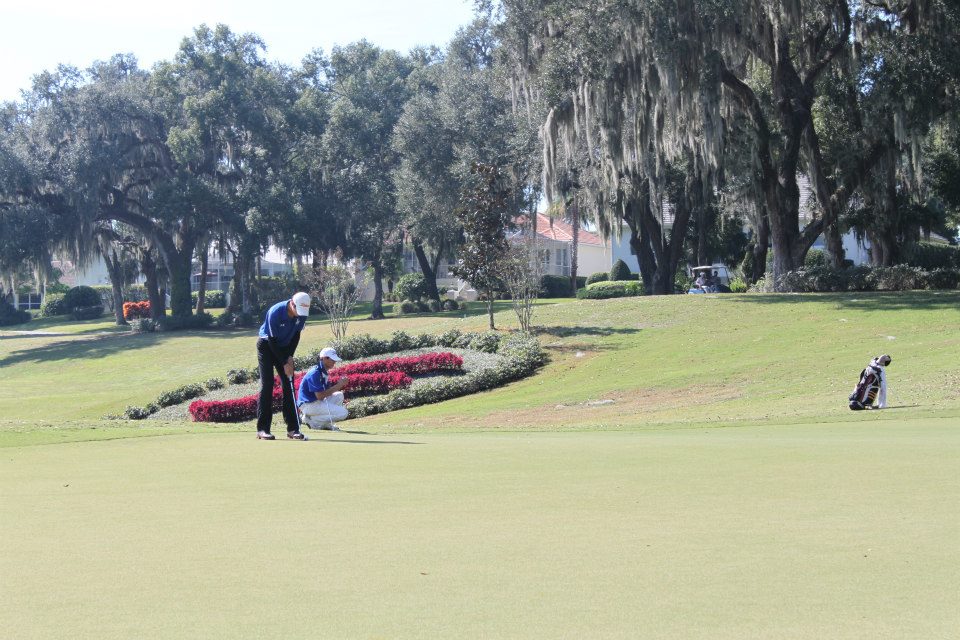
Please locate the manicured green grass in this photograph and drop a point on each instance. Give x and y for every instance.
(721, 490)
(847, 530)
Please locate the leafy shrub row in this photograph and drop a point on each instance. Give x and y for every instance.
(930, 255)
(899, 277)
(422, 306)
(522, 353)
(611, 289)
(212, 299)
(599, 276)
(134, 310)
(165, 399)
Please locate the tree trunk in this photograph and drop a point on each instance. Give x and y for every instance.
(180, 267)
(834, 244)
(760, 246)
(574, 246)
(202, 285)
(429, 275)
(157, 304)
(115, 271)
(376, 313)
(490, 296)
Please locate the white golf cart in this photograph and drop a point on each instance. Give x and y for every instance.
(717, 275)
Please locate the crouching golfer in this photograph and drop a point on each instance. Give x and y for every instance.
(279, 337)
(871, 386)
(320, 402)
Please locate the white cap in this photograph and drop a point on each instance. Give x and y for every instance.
(330, 352)
(301, 301)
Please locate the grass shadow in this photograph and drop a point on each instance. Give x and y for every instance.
(101, 346)
(864, 300)
(566, 332)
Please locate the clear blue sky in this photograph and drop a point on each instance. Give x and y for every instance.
(39, 34)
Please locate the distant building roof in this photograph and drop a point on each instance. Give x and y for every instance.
(556, 229)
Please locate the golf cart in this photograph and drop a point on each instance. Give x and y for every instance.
(716, 279)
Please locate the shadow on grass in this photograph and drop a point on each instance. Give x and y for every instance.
(362, 441)
(103, 346)
(865, 300)
(566, 332)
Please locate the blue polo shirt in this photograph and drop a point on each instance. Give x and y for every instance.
(280, 326)
(314, 380)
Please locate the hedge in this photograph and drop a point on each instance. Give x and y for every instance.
(558, 286)
(611, 289)
(619, 271)
(900, 277)
(81, 296)
(87, 313)
(212, 299)
(599, 276)
(53, 305)
(9, 315)
(931, 255)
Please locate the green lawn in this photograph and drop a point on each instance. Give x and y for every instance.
(722, 489)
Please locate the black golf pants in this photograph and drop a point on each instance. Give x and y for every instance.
(267, 364)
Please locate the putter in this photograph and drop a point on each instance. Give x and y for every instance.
(293, 394)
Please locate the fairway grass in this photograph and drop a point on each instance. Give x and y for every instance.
(846, 530)
(683, 467)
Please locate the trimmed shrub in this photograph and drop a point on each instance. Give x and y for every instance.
(433, 305)
(87, 313)
(552, 286)
(9, 315)
(213, 384)
(407, 307)
(422, 306)
(599, 276)
(900, 277)
(943, 279)
(81, 296)
(618, 289)
(619, 271)
(241, 376)
(180, 394)
(450, 305)
(931, 255)
(411, 286)
(412, 365)
(183, 323)
(487, 342)
(212, 299)
(53, 305)
(737, 285)
(136, 310)
(143, 325)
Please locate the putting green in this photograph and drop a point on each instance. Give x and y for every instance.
(841, 530)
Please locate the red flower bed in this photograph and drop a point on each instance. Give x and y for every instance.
(133, 310)
(245, 408)
(413, 365)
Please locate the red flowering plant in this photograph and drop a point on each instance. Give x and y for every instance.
(134, 310)
(245, 408)
(412, 365)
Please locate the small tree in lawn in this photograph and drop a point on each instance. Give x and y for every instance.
(521, 271)
(483, 214)
(336, 291)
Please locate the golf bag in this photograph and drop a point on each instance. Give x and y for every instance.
(872, 386)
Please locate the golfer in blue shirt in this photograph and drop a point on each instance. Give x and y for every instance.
(320, 402)
(277, 342)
